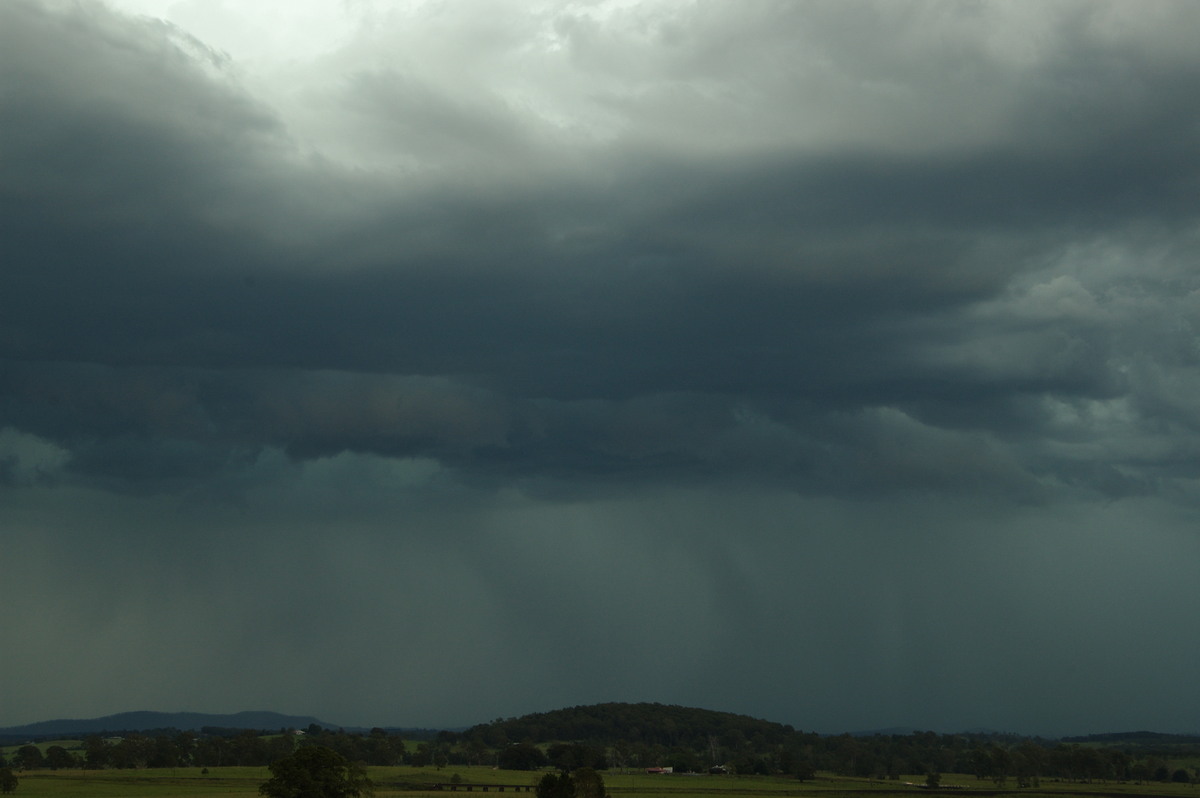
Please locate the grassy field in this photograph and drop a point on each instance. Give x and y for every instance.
(234, 782)
(150, 783)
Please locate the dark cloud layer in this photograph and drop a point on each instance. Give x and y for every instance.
(787, 347)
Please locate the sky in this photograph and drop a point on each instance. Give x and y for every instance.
(422, 363)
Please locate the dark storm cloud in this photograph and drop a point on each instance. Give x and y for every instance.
(840, 279)
(821, 288)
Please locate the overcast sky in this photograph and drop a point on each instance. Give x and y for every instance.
(419, 363)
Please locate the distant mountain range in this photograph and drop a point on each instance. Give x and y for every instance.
(1142, 738)
(613, 721)
(146, 721)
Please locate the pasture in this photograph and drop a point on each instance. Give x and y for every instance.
(243, 782)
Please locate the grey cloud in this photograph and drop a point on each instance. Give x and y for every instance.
(731, 323)
(698, 245)
(415, 125)
(155, 115)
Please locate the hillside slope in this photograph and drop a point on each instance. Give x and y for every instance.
(644, 723)
(148, 721)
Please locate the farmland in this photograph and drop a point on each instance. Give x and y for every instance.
(711, 754)
(243, 782)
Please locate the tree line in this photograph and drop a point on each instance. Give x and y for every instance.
(209, 748)
(629, 736)
(689, 739)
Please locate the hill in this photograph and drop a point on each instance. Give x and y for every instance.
(627, 736)
(150, 721)
(645, 723)
(1144, 739)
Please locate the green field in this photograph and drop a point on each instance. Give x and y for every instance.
(242, 782)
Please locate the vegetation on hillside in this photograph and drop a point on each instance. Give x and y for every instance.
(626, 737)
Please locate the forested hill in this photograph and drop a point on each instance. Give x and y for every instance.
(1143, 739)
(695, 740)
(146, 721)
(644, 724)
(622, 736)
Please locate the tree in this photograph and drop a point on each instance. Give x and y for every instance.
(133, 751)
(249, 748)
(29, 757)
(96, 752)
(1001, 765)
(583, 783)
(522, 756)
(8, 780)
(556, 786)
(423, 756)
(315, 772)
(803, 767)
(58, 757)
(588, 784)
(572, 756)
(566, 756)
(477, 751)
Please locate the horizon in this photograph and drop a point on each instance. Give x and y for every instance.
(888, 730)
(832, 361)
